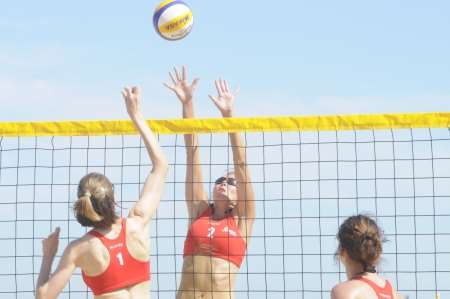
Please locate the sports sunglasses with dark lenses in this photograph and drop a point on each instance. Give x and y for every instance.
(230, 181)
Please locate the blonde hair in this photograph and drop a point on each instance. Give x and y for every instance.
(95, 204)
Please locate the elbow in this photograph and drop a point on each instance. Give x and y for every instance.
(46, 292)
(40, 293)
(161, 166)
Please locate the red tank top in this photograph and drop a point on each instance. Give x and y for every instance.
(217, 238)
(123, 270)
(382, 293)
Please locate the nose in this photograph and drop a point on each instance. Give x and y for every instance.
(223, 184)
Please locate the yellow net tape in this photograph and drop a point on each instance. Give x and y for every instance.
(217, 125)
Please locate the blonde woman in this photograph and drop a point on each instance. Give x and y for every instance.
(218, 232)
(114, 255)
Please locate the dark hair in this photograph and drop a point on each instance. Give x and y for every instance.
(95, 206)
(362, 239)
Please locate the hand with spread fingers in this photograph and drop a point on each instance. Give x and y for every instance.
(180, 85)
(224, 100)
(132, 97)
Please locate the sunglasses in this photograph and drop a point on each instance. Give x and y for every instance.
(230, 181)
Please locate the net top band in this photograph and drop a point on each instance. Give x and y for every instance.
(222, 125)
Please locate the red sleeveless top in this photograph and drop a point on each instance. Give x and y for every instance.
(123, 270)
(382, 293)
(217, 238)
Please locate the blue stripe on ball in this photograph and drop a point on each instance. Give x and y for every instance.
(162, 10)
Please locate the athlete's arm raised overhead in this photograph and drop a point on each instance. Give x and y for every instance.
(224, 101)
(148, 202)
(196, 198)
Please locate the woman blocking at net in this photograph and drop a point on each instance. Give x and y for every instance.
(114, 255)
(360, 247)
(218, 233)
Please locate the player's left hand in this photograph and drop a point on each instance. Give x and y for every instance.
(50, 244)
(224, 101)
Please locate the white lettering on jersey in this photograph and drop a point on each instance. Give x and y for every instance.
(226, 229)
(116, 245)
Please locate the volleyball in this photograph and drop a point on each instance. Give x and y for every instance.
(173, 19)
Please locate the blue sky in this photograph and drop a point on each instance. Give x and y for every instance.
(69, 60)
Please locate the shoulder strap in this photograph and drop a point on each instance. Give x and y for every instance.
(107, 241)
(96, 234)
(387, 289)
(123, 230)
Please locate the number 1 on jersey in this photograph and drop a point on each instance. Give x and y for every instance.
(120, 258)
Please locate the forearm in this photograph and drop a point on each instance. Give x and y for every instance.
(188, 110)
(190, 140)
(194, 176)
(239, 154)
(194, 187)
(44, 276)
(154, 183)
(154, 150)
(237, 146)
(242, 174)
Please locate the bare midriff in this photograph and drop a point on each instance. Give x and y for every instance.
(137, 291)
(207, 277)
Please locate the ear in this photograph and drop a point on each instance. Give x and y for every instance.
(343, 255)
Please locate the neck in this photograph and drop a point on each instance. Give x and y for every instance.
(105, 230)
(219, 212)
(353, 270)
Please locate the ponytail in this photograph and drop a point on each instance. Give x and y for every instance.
(362, 239)
(95, 206)
(87, 209)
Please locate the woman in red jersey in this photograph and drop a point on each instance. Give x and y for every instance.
(114, 255)
(219, 232)
(360, 247)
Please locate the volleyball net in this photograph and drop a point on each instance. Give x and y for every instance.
(308, 173)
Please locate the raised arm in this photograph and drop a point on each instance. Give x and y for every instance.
(245, 194)
(151, 193)
(195, 195)
(50, 287)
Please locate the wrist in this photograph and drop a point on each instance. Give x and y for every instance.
(188, 110)
(187, 100)
(137, 116)
(47, 258)
(188, 104)
(227, 114)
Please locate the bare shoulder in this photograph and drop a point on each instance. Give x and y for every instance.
(346, 290)
(134, 224)
(198, 207)
(77, 249)
(84, 243)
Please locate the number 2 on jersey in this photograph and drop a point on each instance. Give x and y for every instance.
(211, 231)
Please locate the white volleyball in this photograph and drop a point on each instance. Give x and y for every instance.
(173, 19)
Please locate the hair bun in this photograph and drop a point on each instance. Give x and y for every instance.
(100, 193)
(362, 239)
